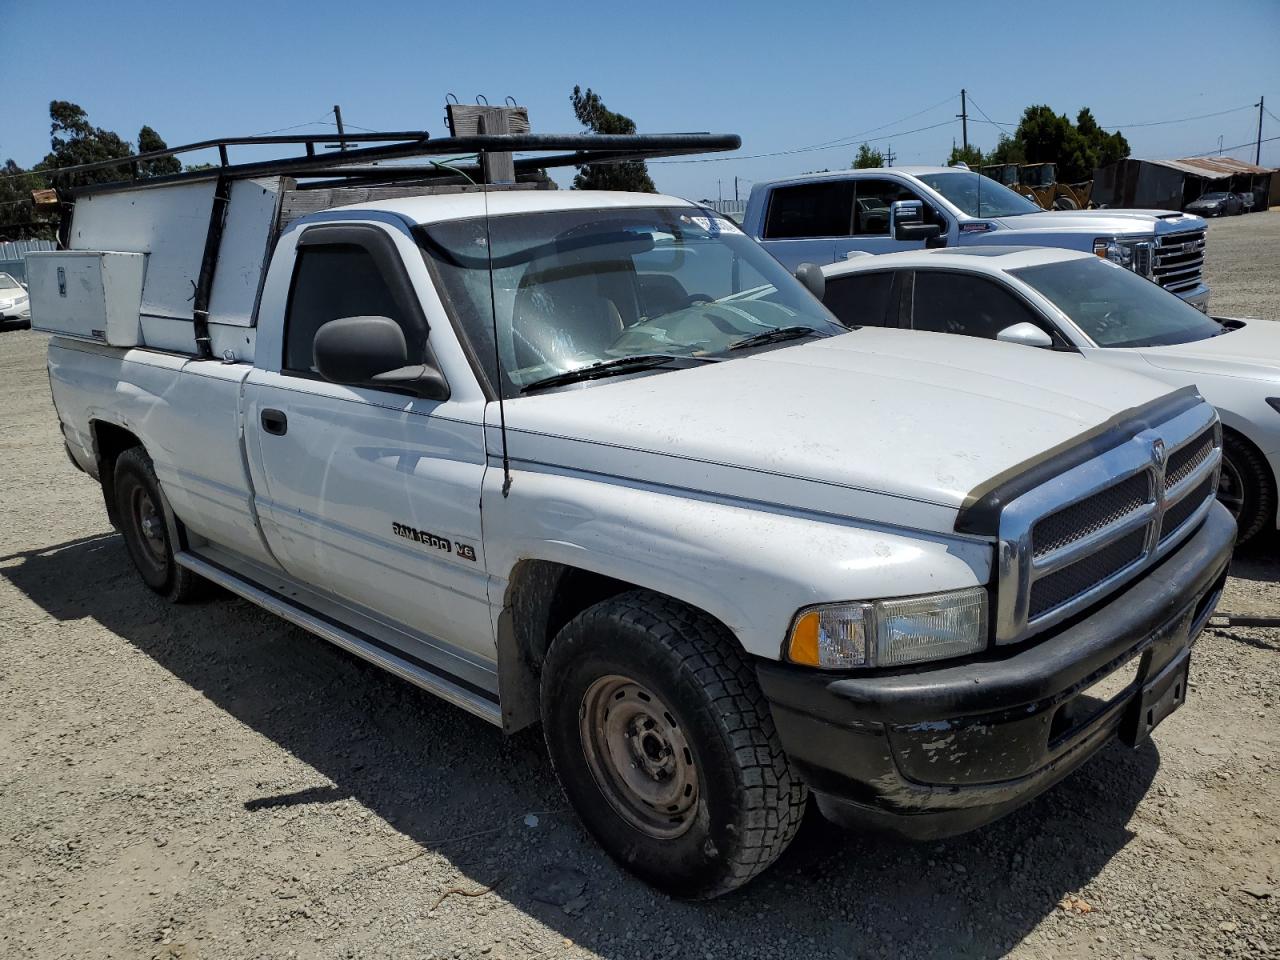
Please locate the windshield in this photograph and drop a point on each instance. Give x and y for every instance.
(1214, 196)
(8, 283)
(979, 195)
(581, 287)
(1117, 308)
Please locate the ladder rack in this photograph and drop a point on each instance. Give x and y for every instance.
(361, 164)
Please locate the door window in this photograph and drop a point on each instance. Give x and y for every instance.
(964, 304)
(330, 282)
(821, 209)
(860, 299)
(871, 206)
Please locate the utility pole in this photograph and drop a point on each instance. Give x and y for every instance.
(337, 115)
(735, 189)
(964, 122)
(888, 156)
(719, 191)
(1257, 152)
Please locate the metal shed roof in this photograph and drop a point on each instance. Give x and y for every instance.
(1211, 167)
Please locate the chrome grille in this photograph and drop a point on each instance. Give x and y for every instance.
(1184, 460)
(1069, 542)
(1071, 581)
(1182, 511)
(1179, 260)
(1091, 514)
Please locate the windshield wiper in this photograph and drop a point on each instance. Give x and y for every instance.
(611, 368)
(777, 335)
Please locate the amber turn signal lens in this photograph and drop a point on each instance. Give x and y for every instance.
(804, 640)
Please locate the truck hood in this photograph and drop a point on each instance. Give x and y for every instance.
(852, 425)
(1250, 352)
(1104, 222)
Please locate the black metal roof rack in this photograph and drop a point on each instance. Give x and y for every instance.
(361, 164)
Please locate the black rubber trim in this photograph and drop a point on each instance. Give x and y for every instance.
(980, 512)
(392, 649)
(1111, 632)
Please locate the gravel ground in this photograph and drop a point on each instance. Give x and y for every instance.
(210, 782)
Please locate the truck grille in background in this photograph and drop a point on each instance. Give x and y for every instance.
(1092, 514)
(1069, 582)
(1179, 260)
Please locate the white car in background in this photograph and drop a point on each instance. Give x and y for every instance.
(14, 304)
(1075, 302)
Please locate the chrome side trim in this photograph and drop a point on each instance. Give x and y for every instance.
(348, 640)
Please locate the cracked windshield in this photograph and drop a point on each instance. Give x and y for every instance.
(613, 290)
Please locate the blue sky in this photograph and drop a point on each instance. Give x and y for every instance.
(781, 75)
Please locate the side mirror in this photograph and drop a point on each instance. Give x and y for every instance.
(371, 351)
(1027, 334)
(810, 274)
(906, 221)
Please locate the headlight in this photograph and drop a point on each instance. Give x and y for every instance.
(1133, 255)
(890, 633)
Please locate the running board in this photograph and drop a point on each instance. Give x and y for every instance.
(347, 639)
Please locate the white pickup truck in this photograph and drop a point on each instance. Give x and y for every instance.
(596, 460)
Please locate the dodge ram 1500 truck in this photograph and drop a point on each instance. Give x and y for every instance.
(598, 461)
(824, 217)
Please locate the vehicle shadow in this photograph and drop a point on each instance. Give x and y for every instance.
(453, 785)
(1259, 560)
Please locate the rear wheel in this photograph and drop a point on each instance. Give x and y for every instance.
(140, 507)
(665, 746)
(1245, 487)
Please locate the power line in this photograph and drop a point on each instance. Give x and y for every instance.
(1239, 146)
(984, 114)
(831, 144)
(1159, 123)
(843, 143)
(296, 126)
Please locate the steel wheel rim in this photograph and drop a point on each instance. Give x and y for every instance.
(639, 757)
(1231, 488)
(150, 526)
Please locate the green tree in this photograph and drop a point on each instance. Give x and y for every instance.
(74, 140)
(1108, 147)
(19, 219)
(1007, 150)
(969, 155)
(1077, 148)
(867, 157)
(632, 175)
(148, 141)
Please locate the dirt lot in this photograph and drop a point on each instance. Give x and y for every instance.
(210, 782)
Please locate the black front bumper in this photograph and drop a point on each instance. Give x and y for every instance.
(940, 750)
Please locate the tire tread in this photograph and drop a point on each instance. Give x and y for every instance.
(772, 799)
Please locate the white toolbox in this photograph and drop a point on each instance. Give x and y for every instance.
(87, 294)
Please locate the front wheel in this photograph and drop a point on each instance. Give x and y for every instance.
(1245, 487)
(665, 746)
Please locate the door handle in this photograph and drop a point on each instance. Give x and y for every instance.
(274, 421)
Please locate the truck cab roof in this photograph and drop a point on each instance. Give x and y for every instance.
(910, 171)
(462, 206)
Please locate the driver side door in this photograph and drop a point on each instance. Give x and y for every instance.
(371, 495)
